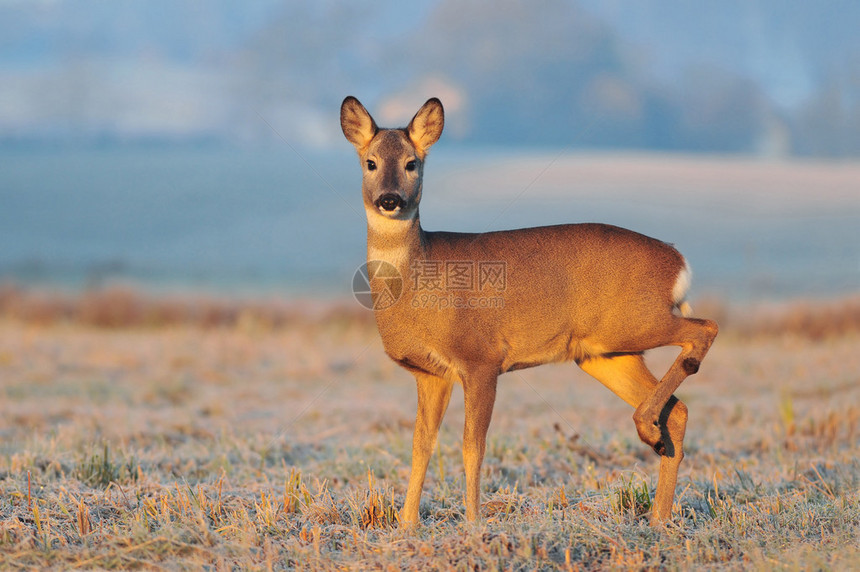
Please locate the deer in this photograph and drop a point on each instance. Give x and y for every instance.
(595, 294)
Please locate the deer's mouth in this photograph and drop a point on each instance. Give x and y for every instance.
(389, 202)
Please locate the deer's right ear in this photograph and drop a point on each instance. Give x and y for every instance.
(357, 124)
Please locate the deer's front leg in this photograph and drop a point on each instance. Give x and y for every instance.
(479, 397)
(433, 396)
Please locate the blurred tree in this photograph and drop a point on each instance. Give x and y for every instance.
(829, 123)
(525, 66)
(720, 111)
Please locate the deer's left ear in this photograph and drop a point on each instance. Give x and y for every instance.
(426, 127)
(357, 124)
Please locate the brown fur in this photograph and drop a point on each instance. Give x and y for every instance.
(595, 294)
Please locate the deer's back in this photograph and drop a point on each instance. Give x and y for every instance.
(563, 288)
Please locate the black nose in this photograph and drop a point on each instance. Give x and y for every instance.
(389, 202)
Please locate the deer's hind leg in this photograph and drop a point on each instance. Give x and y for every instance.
(695, 337)
(628, 377)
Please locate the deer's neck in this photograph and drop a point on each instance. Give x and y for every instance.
(397, 242)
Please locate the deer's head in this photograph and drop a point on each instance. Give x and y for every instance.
(392, 160)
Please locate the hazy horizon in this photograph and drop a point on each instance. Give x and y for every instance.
(197, 145)
(272, 221)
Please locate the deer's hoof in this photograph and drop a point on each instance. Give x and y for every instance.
(649, 432)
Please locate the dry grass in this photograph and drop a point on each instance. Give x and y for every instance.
(272, 437)
(126, 307)
(811, 320)
(119, 307)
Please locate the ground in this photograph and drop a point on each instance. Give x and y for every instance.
(255, 443)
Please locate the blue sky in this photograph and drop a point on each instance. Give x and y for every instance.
(650, 70)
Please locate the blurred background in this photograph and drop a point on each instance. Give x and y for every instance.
(195, 146)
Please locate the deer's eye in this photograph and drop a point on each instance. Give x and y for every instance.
(371, 165)
(410, 166)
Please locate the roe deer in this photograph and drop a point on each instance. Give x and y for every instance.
(595, 294)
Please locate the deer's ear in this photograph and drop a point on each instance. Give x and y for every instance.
(426, 127)
(357, 124)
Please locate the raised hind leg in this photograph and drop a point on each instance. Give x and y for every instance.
(628, 377)
(695, 337)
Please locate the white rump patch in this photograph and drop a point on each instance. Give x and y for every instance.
(679, 291)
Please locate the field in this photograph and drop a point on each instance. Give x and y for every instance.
(140, 433)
